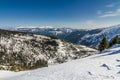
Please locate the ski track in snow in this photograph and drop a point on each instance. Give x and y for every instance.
(101, 66)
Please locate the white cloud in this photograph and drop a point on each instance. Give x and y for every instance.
(93, 24)
(118, 10)
(90, 24)
(111, 14)
(99, 12)
(113, 5)
(110, 5)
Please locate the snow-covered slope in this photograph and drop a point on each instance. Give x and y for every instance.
(20, 51)
(93, 39)
(103, 66)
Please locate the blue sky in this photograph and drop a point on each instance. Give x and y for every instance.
(60, 13)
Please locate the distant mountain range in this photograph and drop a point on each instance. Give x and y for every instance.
(46, 30)
(89, 38)
(21, 51)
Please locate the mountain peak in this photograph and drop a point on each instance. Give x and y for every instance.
(32, 27)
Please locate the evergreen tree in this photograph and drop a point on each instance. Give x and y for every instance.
(103, 44)
(114, 41)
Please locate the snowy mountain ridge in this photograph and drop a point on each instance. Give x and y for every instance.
(103, 66)
(45, 30)
(32, 27)
(94, 39)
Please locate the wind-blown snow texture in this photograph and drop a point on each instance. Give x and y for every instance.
(103, 66)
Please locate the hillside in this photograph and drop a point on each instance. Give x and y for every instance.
(103, 66)
(92, 40)
(21, 51)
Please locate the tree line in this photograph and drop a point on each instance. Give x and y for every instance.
(104, 44)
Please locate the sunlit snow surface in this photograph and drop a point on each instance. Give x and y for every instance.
(103, 66)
